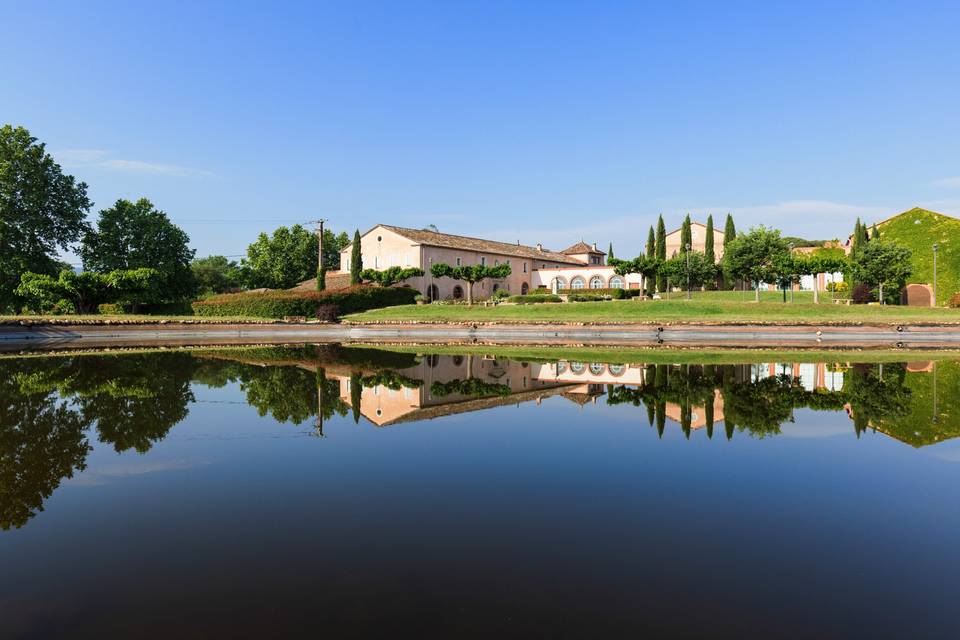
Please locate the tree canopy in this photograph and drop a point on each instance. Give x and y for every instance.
(42, 210)
(756, 256)
(391, 275)
(470, 274)
(135, 235)
(882, 263)
(282, 260)
(216, 274)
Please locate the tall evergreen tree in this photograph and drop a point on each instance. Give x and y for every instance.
(651, 244)
(356, 259)
(686, 234)
(709, 252)
(856, 242)
(708, 242)
(729, 234)
(661, 246)
(875, 234)
(610, 253)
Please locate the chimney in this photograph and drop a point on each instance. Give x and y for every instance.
(595, 246)
(539, 247)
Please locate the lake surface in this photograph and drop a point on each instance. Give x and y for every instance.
(356, 492)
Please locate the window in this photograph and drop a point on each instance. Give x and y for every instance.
(559, 283)
(616, 282)
(457, 292)
(577, 367)
(495, 287)
(458, 262)
(594, 259)
(596, 368)
(496, 263)
(561, 367)
(376, 262)
(576, 283)
(596, 282)
(616, 369)
(524, 267)
(483, 260)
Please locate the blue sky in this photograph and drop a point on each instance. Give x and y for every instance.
(516, 121)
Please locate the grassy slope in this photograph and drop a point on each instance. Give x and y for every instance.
(702, 309)
(933, 227)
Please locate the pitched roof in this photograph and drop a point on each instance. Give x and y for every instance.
(466, 243)
(581, 247)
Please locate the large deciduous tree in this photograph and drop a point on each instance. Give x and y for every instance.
(216, 274)
(755, 256)
(42, 210)
(645, 267)
(700, 269)
(282, 260)
(137, 235)
(883, 263)
(470, 274)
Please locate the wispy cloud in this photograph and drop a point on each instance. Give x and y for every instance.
(949, 183)
(99, 158)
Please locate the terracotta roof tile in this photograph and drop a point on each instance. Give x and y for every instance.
(581, 247)
(435, 239)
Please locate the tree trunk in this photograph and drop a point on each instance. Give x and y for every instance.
(756, 293)
(881, 294)
(469, 292)
(816, 288)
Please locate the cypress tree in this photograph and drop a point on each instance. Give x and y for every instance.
(729, 233)
(708, 243)
(610, 252)
(686, 234)
(356, 395)
(651, 244)
(708, 251)
(661, 252)
(856, 242)
(356, 259)
(875, 235)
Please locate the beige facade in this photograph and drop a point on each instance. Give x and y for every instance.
(387, 246)
(698, 237)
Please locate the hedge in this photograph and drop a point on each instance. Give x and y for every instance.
(277, 304)
(534, 298)
(615, 294)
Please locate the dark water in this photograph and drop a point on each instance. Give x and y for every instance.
(348, 492)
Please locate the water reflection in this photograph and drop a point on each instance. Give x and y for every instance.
(50, 406)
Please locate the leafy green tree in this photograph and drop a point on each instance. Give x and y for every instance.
(755, 256)
(391, 275)
(642, 265)
(42, 210)
(470, 274)
(661, 254)
(356, 259)
(85, 290)
(135, 235)
(882, 263)
(701, 269)
(686, 235)
(216, 274)
(333, 244)
(822, 260)
(282, 260)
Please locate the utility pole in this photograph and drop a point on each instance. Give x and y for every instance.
(935, 247)
(319, 224)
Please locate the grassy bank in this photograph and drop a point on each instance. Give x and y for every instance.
(94, 319)
(705, 308)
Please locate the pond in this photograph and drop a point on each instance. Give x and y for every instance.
(352, 491)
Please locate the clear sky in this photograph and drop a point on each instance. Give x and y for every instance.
(530, 121)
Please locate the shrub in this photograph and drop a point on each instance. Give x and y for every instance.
(535, 298)
(593, 297)
(837, 287)
(500, 294)
(110, 309)
(955, 301)
(277, 304)
(328, 312)
(63, 307)
(862, 294)
(615, 294)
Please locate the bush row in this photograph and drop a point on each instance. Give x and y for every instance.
(614, 294)
(534, 298)
(277, 304)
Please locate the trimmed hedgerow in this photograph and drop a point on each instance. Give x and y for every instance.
(534, 298)
(277, 304)
(614, 294)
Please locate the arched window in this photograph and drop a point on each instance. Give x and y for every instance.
(457, 292)
(495, 286)
(524, 288)
(596, 282)
(457, 361)
(558, 284)
(433, 293)
(616, 282)
(616, 369)
(577, 367)
(596, 368)
(577, 283)
(561, 367)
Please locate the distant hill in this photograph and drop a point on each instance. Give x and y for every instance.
(919, 229)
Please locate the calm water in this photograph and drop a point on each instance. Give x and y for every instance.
(349, 492)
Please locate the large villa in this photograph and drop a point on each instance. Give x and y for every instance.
(580, 266)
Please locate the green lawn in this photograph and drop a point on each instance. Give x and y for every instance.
(711, 307)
